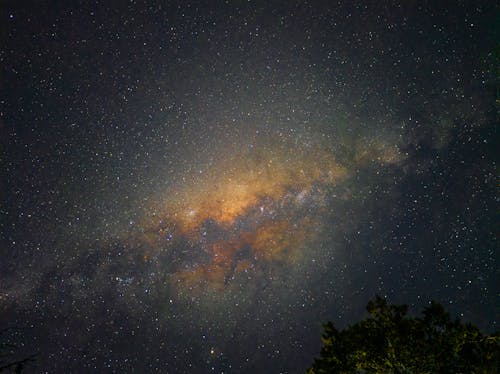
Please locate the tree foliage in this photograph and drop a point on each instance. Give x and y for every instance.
(389, 341)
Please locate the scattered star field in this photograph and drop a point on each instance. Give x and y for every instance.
(196, 188)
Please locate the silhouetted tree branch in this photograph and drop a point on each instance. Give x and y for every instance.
(7, 351)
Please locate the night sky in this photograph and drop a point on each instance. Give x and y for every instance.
(191, 188)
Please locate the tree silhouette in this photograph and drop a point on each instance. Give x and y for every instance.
(9, 361)
(391, 342)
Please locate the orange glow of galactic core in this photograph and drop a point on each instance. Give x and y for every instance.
(260, 206)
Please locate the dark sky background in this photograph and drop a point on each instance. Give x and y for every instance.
(192, 188)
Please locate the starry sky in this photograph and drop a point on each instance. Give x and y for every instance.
(194, 187)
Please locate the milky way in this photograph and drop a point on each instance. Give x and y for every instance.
(259, 205)
(195, 189)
